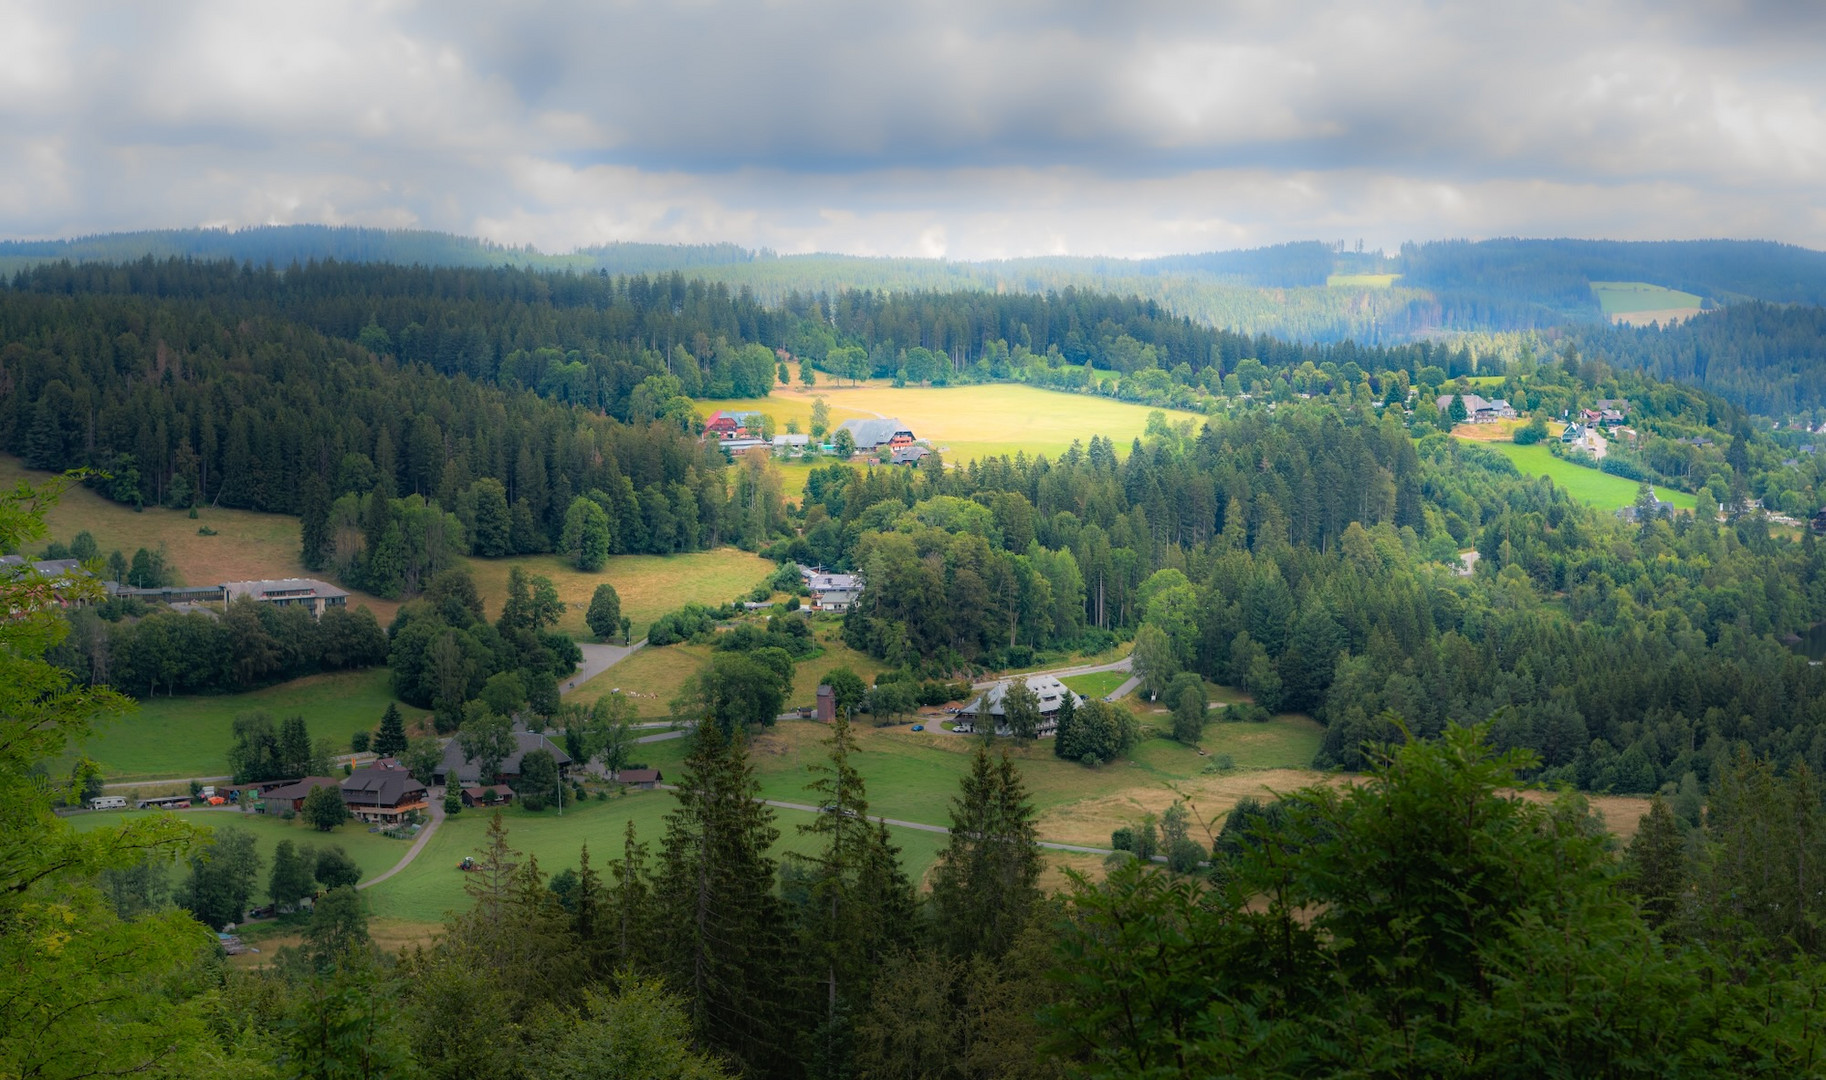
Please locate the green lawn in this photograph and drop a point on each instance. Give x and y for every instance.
(168, 737)
(1600, 489)
(371, 851)
(432, 885)
(1624, 297)
(1287, 742)
(649, 585)
(1098, 684)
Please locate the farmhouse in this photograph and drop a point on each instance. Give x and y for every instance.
(1052, 695)
(1663, 508)
(456, 768)
(45, 568)
(284, 592)
(869, 434)
(383, 792)
(291, 796)
(790, 445)
(908, 455)
(733, 424)
(1479, 410)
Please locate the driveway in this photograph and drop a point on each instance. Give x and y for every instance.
(418, 844)
(598, 659)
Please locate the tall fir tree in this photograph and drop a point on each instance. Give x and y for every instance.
(721, 939)
(314, 523)
(390, 740)
(987, 877)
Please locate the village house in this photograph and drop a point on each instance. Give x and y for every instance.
(908, 455)
(1050, 691)
(479, 796)
(834, 592)
(790, 445)
(455, 768)
(1479, 410)
(869, 434)
(733, 424)
(383, 792)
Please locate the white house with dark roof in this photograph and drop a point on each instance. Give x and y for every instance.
(1049, 690)
(456, 768)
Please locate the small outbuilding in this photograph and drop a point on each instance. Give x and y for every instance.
(641, 779)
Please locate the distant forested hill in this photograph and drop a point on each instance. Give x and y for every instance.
(1285, 290)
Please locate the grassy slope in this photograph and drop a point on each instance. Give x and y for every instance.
(649, 585)
(190, 736)
(1587, 485)
(372, 852)
(1361, 281)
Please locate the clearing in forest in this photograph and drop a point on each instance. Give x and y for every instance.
(1600, 489)
(967, 422)
(1638, 303)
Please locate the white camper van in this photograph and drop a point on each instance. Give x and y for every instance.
(108, 802)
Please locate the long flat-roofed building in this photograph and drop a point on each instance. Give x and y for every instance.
(309, 592)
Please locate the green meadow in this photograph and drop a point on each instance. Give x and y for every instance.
(1600, 489)
(173, 737)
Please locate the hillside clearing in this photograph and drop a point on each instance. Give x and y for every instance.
(649, 585)
(1599, 489)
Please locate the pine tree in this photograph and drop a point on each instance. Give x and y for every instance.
(986, 879)
(720, 921)
(293, 875)
(391, 740)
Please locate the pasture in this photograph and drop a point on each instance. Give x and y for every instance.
(175, 737)
(1361, 281)
(1638, 303)
(649, 585)
(246, 545)
(1599, 489)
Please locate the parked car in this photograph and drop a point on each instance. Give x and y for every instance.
(919, 727)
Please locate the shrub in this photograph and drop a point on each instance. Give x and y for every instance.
(453, 803)
(688, 622)
(1123, 839)
(358, 742)
(1184, 856)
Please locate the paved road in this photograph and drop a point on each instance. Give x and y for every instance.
(418, 845)
(598, 659)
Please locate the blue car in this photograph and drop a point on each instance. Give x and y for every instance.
(919, 727)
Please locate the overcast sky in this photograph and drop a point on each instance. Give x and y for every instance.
(969, 129)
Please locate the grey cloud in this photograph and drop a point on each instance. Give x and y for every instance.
(967, 128)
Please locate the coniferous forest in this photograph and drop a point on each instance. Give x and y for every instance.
(1309, 542)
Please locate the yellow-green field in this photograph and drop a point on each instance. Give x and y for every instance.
(967, 422)
(649, 585)
(1361, 281)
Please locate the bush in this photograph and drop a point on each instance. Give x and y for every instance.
(358, 742)
(1184, 856)
(688, 622)
(1247, 712)
(1123, 839)
(1219, 763)
(453, 803)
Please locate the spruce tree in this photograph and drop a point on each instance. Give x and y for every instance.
(1657, 863)
(721, 945)
(391, 740)
(860, 898)
(314, 524)
(986, 879)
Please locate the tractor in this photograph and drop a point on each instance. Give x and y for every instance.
(467, 864)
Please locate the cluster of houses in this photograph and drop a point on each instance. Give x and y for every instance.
(736, 430)
(385, 791)
(1478, 410)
